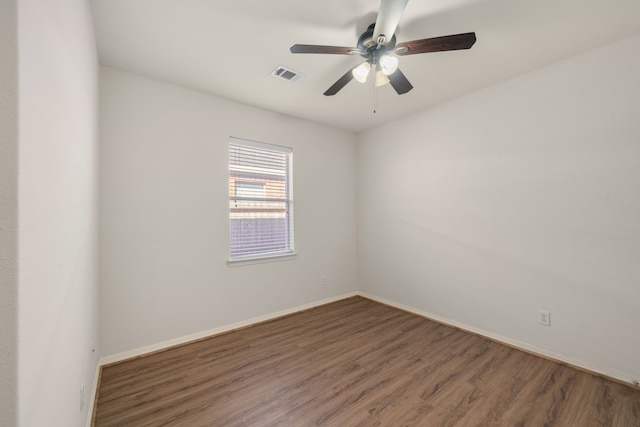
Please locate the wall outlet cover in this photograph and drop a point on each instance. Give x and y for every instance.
(544, 317)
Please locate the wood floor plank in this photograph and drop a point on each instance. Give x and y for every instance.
(355, 362)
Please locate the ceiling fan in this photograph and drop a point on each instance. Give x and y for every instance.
(377, 45)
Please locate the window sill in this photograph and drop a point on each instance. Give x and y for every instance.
(261, 259)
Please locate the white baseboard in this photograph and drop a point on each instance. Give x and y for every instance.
(490, 335)
(107, 360)
(92, 398)
(507, 341)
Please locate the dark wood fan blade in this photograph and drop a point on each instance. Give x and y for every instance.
(342, 82)
(400, 82)
(312, 48)
(437, 44)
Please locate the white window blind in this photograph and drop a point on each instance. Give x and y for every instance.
(260, 200)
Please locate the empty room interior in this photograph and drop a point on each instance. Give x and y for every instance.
(319, 213)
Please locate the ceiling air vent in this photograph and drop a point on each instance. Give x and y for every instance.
(285, 73)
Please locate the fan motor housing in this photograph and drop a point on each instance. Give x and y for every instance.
(369, 47)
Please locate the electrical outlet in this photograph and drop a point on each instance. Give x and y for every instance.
(544, 317)
(81, 397)
(323, 280)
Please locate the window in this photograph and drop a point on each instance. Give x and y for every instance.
(260, 200)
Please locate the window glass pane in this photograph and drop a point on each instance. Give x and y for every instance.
(260, 202)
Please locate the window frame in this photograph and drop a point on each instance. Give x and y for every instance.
(259, 256)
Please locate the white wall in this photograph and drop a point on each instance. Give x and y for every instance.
(523, 196)
(57, 237)
(164, 221)
(8, 213)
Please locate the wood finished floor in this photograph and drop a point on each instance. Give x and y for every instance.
(355, 363)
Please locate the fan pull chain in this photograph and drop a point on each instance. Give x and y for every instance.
(375, 97)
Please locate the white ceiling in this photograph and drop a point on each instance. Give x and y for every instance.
(229, 47)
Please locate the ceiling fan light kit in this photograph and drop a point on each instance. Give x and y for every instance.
(361, 72)
(378, 46)
(388, 64)
(381, 79)
(385, 67)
